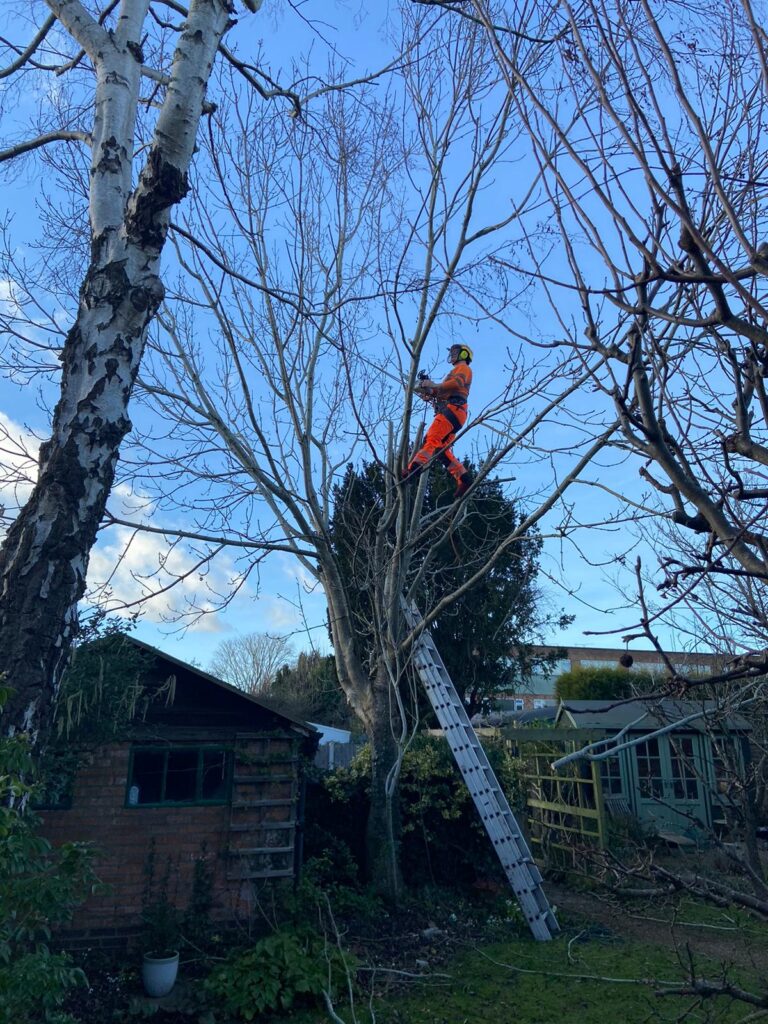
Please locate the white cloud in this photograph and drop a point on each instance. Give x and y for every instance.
(126, 500)
(292, 569)
(18, 463)
(212, 623)
(9, 296)
(129, 569)
(279, 616)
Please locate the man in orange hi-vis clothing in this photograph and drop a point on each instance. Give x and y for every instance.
(450, 400)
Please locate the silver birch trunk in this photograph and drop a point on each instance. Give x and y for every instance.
(44, 560)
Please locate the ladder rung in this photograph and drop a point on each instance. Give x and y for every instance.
(245, 876)
(252, 780)
(288, 802)
(266, 825)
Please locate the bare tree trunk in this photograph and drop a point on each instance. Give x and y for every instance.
(383, 831)
(372, 698)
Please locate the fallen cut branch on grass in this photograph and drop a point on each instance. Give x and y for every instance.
(686, 924)
(647, 982)
(710, 889)
(708, 989)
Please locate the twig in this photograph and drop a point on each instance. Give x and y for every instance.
(406, 974)
(583, 977)
(572, 959)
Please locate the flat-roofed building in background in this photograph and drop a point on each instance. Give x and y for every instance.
(539, 691)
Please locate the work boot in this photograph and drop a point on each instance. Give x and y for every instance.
(463, 485)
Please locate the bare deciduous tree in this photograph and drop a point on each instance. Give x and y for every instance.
(251, 661)
(646, 130)
(351, 241)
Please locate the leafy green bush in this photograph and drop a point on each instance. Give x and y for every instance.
(282, 970)
(442, 837)
(39, 888)
(600, 684)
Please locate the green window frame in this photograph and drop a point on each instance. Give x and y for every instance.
(178, 776)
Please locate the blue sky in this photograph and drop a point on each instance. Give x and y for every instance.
(280, 597)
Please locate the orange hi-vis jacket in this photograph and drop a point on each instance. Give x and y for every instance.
(455, 388)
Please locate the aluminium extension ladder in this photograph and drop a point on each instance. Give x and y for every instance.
(503, 831)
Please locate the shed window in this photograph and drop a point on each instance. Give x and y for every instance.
(178, 775)
(649, 769)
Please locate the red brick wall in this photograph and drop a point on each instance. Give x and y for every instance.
(123, 837)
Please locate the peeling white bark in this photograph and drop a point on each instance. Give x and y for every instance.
(44, 560)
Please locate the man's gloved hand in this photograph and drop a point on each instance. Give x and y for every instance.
(425, 387)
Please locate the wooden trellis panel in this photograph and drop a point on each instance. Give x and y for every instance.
(566, 809)
(265, 793)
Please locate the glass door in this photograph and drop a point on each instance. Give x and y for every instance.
(671, 794)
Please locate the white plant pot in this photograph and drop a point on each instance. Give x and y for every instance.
(159, 974)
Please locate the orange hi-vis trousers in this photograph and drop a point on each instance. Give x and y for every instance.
(440, 436)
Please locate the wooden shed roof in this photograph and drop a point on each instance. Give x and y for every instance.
(203, 698)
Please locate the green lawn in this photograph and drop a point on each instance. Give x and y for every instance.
(603, 981)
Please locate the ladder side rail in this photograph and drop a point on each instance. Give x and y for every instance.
(486, 792)
(447, 724)
(492, 805)
(447, 713)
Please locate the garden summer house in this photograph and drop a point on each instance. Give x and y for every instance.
(681, 783)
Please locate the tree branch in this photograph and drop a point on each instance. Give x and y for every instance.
(43, 140)
(25, 54)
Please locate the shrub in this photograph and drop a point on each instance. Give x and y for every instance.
(279, 972)
(600, 684)
(442, 837)
(39, 888)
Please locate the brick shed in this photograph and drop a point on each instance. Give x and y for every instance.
(209, 773)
